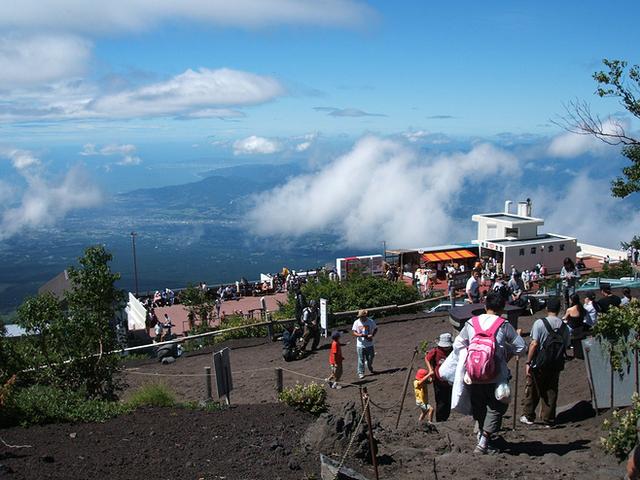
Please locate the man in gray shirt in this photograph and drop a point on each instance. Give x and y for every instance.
(542, 383)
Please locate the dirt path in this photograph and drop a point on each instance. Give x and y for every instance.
(569, 451)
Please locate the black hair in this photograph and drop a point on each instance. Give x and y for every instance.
(495, 302)
(568, 264)
(626, 291)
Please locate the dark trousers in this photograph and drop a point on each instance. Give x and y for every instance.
(487, 411)
(543, 386)
(443, 400)
(311, 332)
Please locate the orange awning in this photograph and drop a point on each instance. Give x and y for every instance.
(446, 256)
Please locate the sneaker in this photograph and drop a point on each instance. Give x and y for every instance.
(337, 386)
(480, 450)
(361, 376)
(525, 420)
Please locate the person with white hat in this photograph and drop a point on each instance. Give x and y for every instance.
(434, 358)
(364, 329)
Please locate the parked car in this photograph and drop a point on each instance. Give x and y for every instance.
(442, 307)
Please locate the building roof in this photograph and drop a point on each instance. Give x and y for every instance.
(437, 248)
(539, 240)
(58, 285)
(508, 218)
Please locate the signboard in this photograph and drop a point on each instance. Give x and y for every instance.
(324, 319)
(365, 265)
(460, 280)
(599, 375)
(222, 368)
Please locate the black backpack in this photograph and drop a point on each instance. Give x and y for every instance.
(552, 353)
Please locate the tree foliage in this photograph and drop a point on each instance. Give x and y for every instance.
(198, 303)
(621, 81)
(72, 338)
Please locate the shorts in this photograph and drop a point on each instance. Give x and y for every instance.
(423, 407)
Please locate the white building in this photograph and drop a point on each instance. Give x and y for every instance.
(513, 239)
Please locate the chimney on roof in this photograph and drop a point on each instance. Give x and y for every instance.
(524, 208)
(507, 206)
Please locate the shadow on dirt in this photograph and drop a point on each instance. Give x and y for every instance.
(539, 449)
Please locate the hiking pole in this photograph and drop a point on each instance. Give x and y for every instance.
(372, 446)
(406, 384)
(515, 392)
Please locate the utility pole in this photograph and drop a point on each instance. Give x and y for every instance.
(384, 249)
(135, 262)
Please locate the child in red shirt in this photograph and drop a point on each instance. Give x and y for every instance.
(335, 361)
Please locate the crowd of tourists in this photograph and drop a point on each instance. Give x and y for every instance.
(469, 374)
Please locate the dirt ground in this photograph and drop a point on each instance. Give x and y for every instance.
(257, 438)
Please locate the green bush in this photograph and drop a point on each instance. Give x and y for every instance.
(152, 395)
(353, 294)
(40, 405)
(623, 430)
(615, 270)
(310, 398)
(614, 329)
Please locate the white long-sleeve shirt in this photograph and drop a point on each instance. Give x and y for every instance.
(508, 343)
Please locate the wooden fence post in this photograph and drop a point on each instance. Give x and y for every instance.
(207, 375)
(278, 381)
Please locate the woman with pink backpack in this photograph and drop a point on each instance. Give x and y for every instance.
(490, 341)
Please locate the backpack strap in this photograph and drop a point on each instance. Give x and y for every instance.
(491, 331)
(547, 325)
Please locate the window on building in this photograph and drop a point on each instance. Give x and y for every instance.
(533, 250)
(562, 247)
(550, 248)
(511, 232)
(522, 252)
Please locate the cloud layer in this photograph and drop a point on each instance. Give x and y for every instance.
(193, 93)
(141, 15)
(381, 190)
(29, 60)
(43, 201)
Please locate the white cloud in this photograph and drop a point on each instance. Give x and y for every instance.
(307, 141)
(585, 209)
(126, 153)
(193, 92)
(256, 145)
(44, 201)
(20, 159)
(379, 190)
(570, 145)
(139, 15)
(29, 60)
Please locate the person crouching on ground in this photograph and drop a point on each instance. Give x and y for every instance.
(335, 361)
(441, 388)
(486, 409)
(422, 396)
(290, 338)
(364, 329)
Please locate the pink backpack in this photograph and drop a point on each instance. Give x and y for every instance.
(481, 365)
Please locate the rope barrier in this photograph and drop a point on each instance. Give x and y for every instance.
(353, 437)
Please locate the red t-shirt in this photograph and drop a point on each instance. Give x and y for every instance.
(435, 357)
(335, 357)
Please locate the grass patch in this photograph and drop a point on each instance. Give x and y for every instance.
(152, 395)
(40, 405)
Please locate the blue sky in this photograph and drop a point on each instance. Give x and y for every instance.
(130, 89)
(461, 68)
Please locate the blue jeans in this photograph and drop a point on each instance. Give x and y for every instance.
(365, 354)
